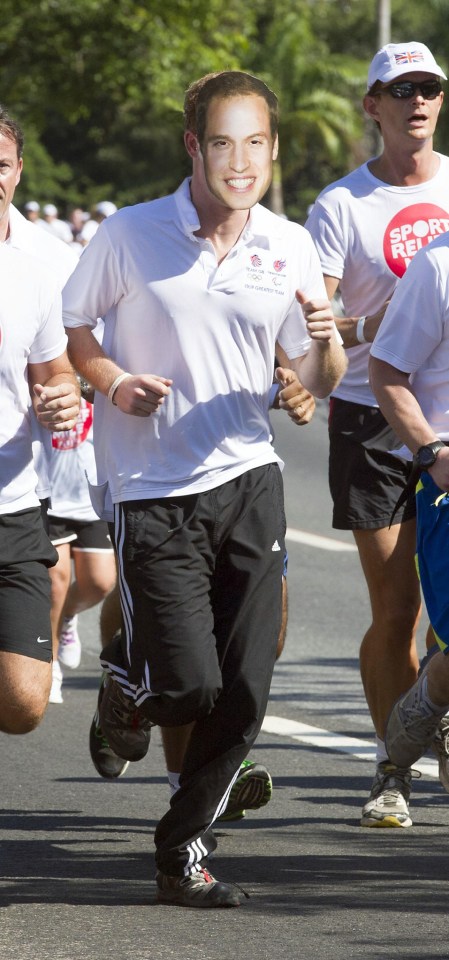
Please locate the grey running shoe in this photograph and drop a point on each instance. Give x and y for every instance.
(105, 761)
(411, 727)
(252, 789)
(199, 890)
(127, 731)
(440, 747)
(388, 801)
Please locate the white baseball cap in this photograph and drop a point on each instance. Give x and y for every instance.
(396, 59)
(33, 206)
(106, 208)
(50, 210)
(88, 231)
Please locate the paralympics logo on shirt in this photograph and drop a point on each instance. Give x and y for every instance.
(410, 229)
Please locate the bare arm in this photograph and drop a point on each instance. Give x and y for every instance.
(400, 407)
(347, 326)
(55, 393)
(138, 395)
(322, 368)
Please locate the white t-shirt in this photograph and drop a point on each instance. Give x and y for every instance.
(414, 334)
(366, 233)
(58, 257)
(73, 459)
(58, 228)
(61, 260)
(169, 309)
(31, 331)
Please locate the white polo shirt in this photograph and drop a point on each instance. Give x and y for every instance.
(171, 310)
(31, 331)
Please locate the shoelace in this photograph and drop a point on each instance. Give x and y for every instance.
(208, 878)
(389, 786)
(125, 713)
(442, 738)
(128, 715)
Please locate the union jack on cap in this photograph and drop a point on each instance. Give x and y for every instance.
(409, 56)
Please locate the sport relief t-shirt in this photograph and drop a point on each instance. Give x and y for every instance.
(366, 233)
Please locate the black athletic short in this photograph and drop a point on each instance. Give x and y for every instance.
(25, 555)
(366, 478)
(88, 536)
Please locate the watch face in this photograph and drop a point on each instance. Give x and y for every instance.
(427, 457)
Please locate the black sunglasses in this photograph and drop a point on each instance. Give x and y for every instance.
(404, 89)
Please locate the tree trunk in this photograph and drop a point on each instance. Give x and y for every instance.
(275, 196)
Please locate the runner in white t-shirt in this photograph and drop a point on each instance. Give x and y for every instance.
(79, 536)
(34, 362)
(198, 287)
(410, 374)
(367, 227)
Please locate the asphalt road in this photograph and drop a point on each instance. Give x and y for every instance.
(77, 852)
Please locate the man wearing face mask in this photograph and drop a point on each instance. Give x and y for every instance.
(205, 288)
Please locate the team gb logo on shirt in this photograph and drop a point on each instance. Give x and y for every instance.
(409, 230)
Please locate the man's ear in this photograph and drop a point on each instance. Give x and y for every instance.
(191, 144)
(19, 171)
(275, 148)
(370, 106)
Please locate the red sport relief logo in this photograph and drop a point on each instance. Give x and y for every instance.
(409, 230)
(70, 439)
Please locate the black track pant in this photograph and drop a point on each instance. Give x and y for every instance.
(200, 583)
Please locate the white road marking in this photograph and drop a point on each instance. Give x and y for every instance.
(314, 540)
(317, 737)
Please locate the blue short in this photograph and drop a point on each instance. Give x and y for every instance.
(432, 555)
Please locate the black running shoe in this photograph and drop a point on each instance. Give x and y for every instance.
(127, 731)
(105, 761)
(199, 890)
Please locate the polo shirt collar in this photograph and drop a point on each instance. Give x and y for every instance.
(15, 226)
(262, 226)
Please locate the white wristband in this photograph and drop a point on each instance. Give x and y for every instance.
(118, 380)
(359, 332)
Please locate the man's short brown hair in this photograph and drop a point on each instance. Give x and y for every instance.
(227, 83)
(10, 129)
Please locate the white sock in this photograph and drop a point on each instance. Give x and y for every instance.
(173, 779)
(381, 753)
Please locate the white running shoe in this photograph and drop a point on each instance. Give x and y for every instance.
(69, 651)
(56, 683)
(388, 801)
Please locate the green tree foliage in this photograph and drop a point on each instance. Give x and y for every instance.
(98, 86)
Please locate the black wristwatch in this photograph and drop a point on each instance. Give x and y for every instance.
(426, 456)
